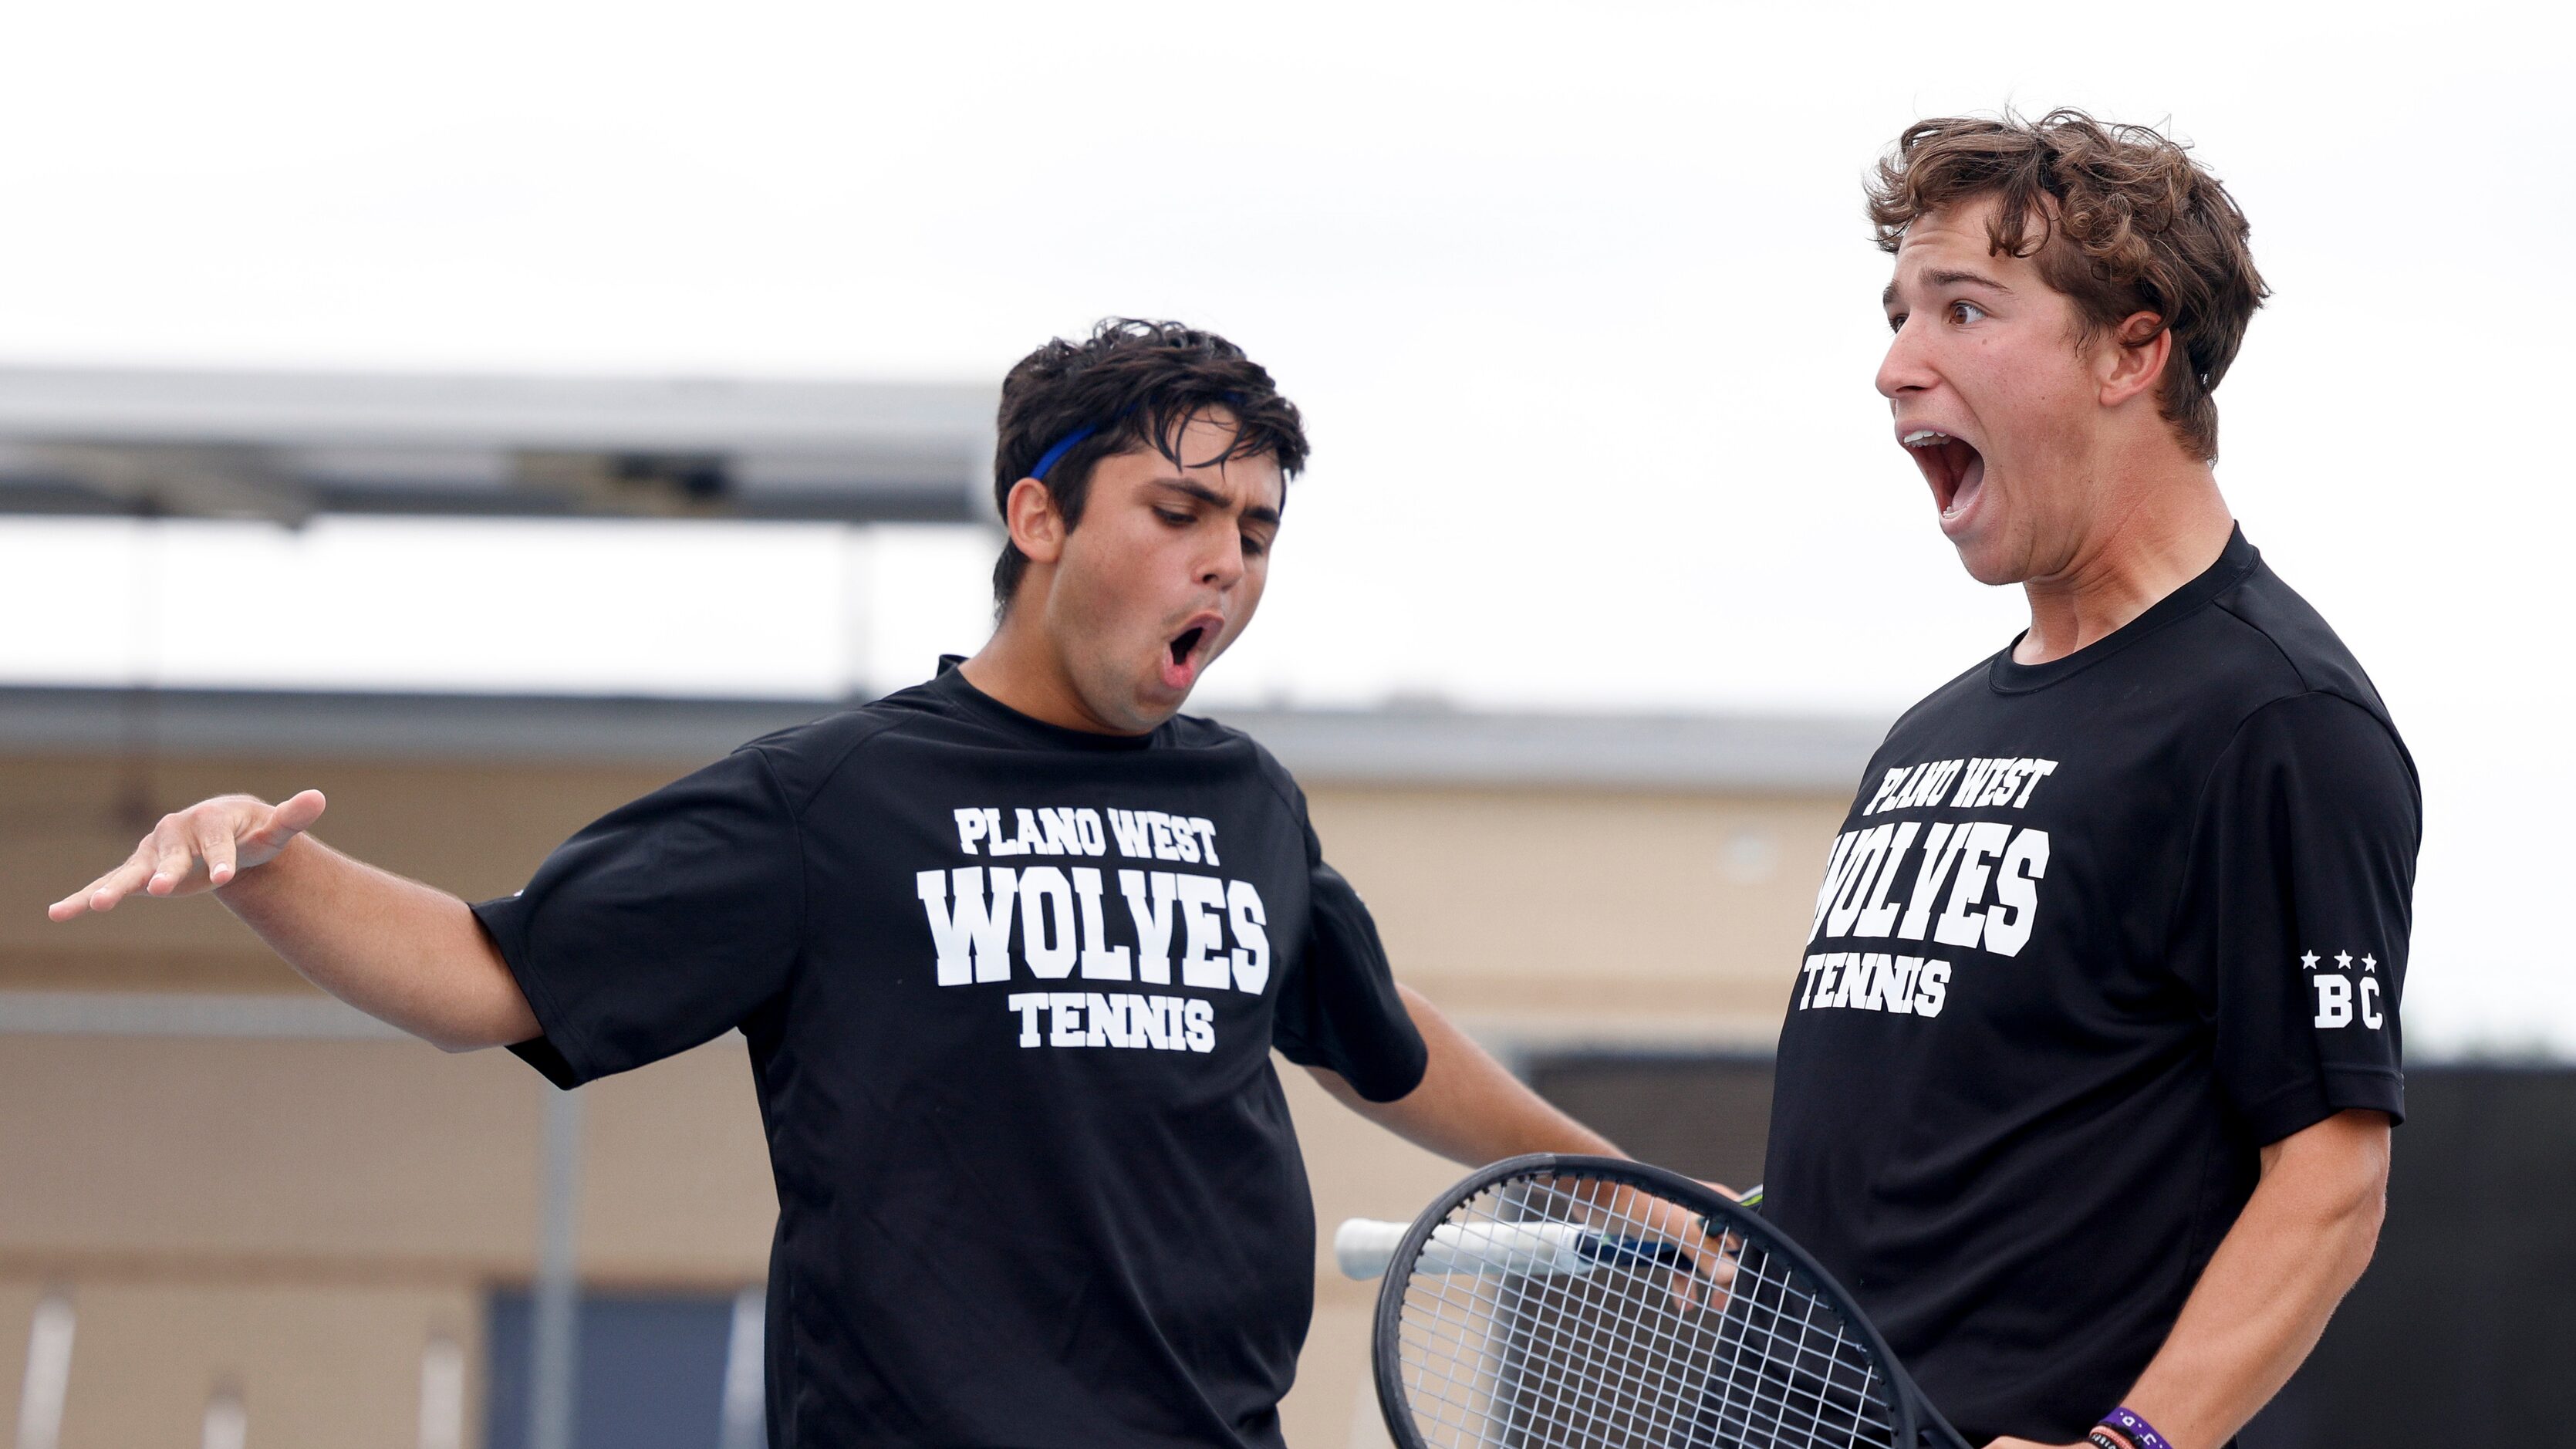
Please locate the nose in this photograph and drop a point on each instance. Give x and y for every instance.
(1222, 569)
(1905, 368)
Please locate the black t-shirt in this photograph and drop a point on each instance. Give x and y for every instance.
(1011, 992)
(2094, 932)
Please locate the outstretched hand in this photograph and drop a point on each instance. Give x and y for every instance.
(197, 849)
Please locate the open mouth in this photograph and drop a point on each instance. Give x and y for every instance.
(1185, 653)
(1952, 465)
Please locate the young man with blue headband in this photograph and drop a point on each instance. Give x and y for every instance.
(1011, 947)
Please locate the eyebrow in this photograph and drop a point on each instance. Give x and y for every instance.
(1257, 513)
(1947, 277)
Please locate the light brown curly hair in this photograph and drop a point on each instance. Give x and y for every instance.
(2119, 218)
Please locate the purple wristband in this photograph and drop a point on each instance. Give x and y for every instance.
(2140, 1432)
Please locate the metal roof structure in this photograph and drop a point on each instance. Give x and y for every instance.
(1427, 747)
(284, 446)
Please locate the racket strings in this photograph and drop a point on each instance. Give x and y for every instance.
(1613, 1357)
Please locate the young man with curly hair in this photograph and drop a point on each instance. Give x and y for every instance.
(1012, 949)
(2086, 1086)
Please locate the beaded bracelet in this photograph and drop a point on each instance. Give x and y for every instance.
(2139, 1433)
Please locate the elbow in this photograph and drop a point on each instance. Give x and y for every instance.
(457, 1039)
(2369, 1209)
(2358, 1237)
(2357, 1226)
(2330, 1180)
(2353, 1203)
(495, 1013)
(505, 1022)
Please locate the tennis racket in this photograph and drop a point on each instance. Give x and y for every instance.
(1593, 1303)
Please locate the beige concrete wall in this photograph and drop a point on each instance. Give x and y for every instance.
(1553, 913)
(374, 1162)
(302, 1216)
(315, 1364)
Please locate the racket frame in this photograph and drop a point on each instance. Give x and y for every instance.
(1917, 1422)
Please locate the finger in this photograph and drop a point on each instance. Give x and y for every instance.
(71, 905)
(291, 818)
(173, 858)
(214, 845)
(298, 811)
(79, 900)
(117, 884)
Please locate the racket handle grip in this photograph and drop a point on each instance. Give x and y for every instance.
(1362, 1247)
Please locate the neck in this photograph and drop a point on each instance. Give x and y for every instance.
(2165, 529)
(1019, 668)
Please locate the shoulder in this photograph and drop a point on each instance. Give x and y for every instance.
(2291, 685)
(2325, 747)
(2319, 701)
(2281, 630)
(804, 758)
(1199, 733)
(1968, 685)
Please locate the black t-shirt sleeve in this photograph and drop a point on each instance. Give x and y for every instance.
(2297, 908)
(1341, 1010)
(660, 926)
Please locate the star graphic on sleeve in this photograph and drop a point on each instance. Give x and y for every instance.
(2309, 961)
(2343, 960)
(2369, 963)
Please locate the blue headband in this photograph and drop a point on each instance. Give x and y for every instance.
(1055, 455)
(1064, 445)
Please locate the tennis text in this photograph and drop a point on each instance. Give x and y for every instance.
(1114, 1019)
(1875, 981)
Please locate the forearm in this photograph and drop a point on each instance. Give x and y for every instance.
(2298, 1247)
(1466, 1107)
(396, 949)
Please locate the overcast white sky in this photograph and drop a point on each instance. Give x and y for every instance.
(1577, 299)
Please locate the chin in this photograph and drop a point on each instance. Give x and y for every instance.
(1990, 560)
(1983, 566)
(1144, 705)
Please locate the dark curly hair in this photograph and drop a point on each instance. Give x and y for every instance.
(2119, 218)
(1136, 384)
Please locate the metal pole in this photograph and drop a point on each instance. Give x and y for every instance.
(227, 1424)
(555, 1346)
(49, 1372)
(743, 1376)
(442, 1394)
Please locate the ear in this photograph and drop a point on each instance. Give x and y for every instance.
(2134, 361)
(1037, 527)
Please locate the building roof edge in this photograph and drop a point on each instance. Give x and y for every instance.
(1432, 748)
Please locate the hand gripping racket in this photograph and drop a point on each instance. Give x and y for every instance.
(1591, 1303)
